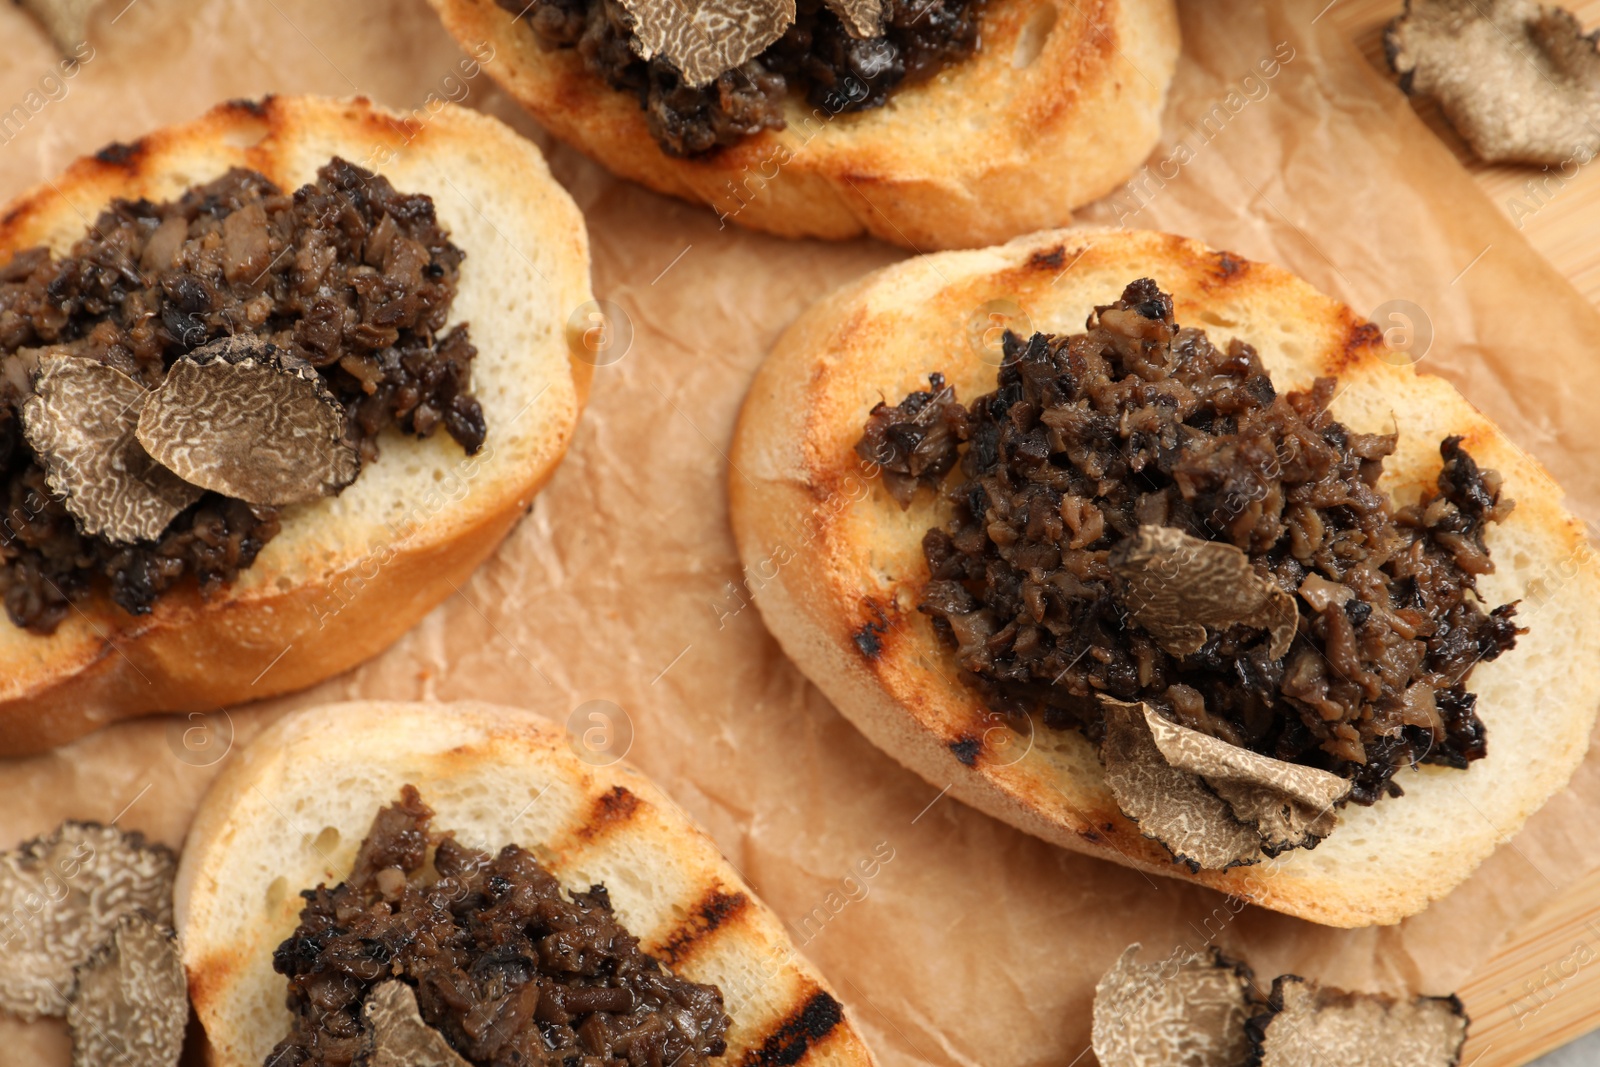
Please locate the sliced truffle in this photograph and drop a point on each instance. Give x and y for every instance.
(1306, 1025)
(1171, 806)
(80, 421)
(241, 417)
(1519, 81)
(61, 898)
(862, 18)
(709, 37)
(66, 21)
(130, 1003)
(1212, 804)
(1290, 805)
(1190, 1009)
(1178, 587)
(397, 1034)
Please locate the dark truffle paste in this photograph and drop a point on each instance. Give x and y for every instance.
(1142, 422)
(345, 274)
(817, 56)
(509, 968)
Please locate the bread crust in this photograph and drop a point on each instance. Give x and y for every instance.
(496, 776)
(1057, 107)
(340, 583)
(836, 569)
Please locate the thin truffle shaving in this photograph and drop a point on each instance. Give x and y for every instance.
(1309, 1025)
(130, 1001)
(1519, 80)
(512, 971)
(1190, 1009)
(1096, 440)
(345, 275)
(1202, 1009)
(1212, 804)
(242, 418)
(62, 898)
(80, 422)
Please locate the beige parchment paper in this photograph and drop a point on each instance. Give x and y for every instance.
(974, 944)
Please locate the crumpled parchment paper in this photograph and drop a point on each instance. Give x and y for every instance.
(972, 943)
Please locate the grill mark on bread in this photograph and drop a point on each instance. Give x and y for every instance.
(1227, 266)
(715, 909)
(121, 154)
(1051, 259)
(256, 109)
(1361, 339)
(788, 1044)
(869, 640)
(393, 126)
(966, 749)
(612, 808)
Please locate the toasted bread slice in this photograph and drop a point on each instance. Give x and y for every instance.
(294, 805)
(836, 566)
(1059, 104)
(349, 574)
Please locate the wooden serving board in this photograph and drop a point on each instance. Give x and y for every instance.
(1542, 989)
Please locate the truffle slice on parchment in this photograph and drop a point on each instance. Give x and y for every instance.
(1189, 1009)
(1519, 80)
(241, 417)
(1212, 804)
(130, 1003)
(81, 421)
(61, 899)
(1307, 1025)
(1201, 1009)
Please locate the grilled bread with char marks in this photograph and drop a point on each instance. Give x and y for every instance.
(292, 808)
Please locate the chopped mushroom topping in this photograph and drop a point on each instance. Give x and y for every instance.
(914, 442)
(80, 422)
(130, 1003)
(345, 274)
(1189, 1009)
(844, 55)
(1519, 80)
(1103, 457)
(62, 896)
(508, 966)
(244, 418)
(1307, 1025)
